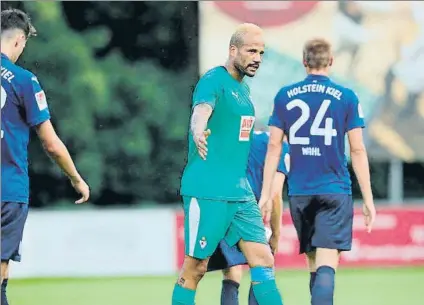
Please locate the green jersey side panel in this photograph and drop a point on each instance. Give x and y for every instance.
(222, 176)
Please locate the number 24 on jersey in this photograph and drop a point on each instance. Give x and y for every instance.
(328, 132)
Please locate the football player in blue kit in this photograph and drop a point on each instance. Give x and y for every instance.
(23, 106)
(316, 114)
(230, 259)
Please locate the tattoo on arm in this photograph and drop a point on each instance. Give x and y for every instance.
(200, 117)
(181, 281)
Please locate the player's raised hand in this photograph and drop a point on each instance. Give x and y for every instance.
(202, 143)
(82, 188)
(369, 212)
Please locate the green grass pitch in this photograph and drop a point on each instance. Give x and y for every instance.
(353, 287)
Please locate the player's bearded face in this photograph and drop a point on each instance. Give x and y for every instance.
(249, 57)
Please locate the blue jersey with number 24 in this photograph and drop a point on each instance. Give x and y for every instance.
(316, 114)
(23, 105)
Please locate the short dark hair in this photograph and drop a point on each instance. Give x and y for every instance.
(317, 53)
(12, 19)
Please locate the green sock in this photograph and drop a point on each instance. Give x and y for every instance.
(183, 296)
(267, 293)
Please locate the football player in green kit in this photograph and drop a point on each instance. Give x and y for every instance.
(218, 201)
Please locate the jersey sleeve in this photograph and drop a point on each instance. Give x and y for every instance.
(34, 102)
(207, 90)
(282, 166)
(277, 117)
(355, 115)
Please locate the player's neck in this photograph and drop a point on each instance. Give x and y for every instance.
(318, 72)
(234, 72)
(6, 50)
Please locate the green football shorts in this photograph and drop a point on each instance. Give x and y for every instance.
(207, 222)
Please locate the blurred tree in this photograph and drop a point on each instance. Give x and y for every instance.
(140, 29)
(124, 121)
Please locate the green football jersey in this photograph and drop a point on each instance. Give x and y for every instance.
(222, 176)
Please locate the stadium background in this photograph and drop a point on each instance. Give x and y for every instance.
(119, 75)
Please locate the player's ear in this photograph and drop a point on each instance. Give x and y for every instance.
(331, 61)
(19, 39)
(305, 64)
(233, 50)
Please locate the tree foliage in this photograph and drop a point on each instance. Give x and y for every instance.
(120, 107)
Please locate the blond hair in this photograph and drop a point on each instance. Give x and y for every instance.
(317, 53)
(237, 39)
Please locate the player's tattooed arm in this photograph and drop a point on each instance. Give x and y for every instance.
(181, 281)
(199, 118)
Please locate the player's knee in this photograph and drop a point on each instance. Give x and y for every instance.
(268, 260)
(327, 257)
(200, 270)
(257, 254)
(263, 258)
(234, 274)
(194, 269)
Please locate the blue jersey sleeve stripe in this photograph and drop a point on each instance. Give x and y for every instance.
(354, 126)
(41, 119)
(275, 123)
(282, 170)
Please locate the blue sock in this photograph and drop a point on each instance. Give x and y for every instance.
(252, 298)
(312, 277)
(183, 296)
(266, 291)
(229, 292)
(3, 293)
(323, 289)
